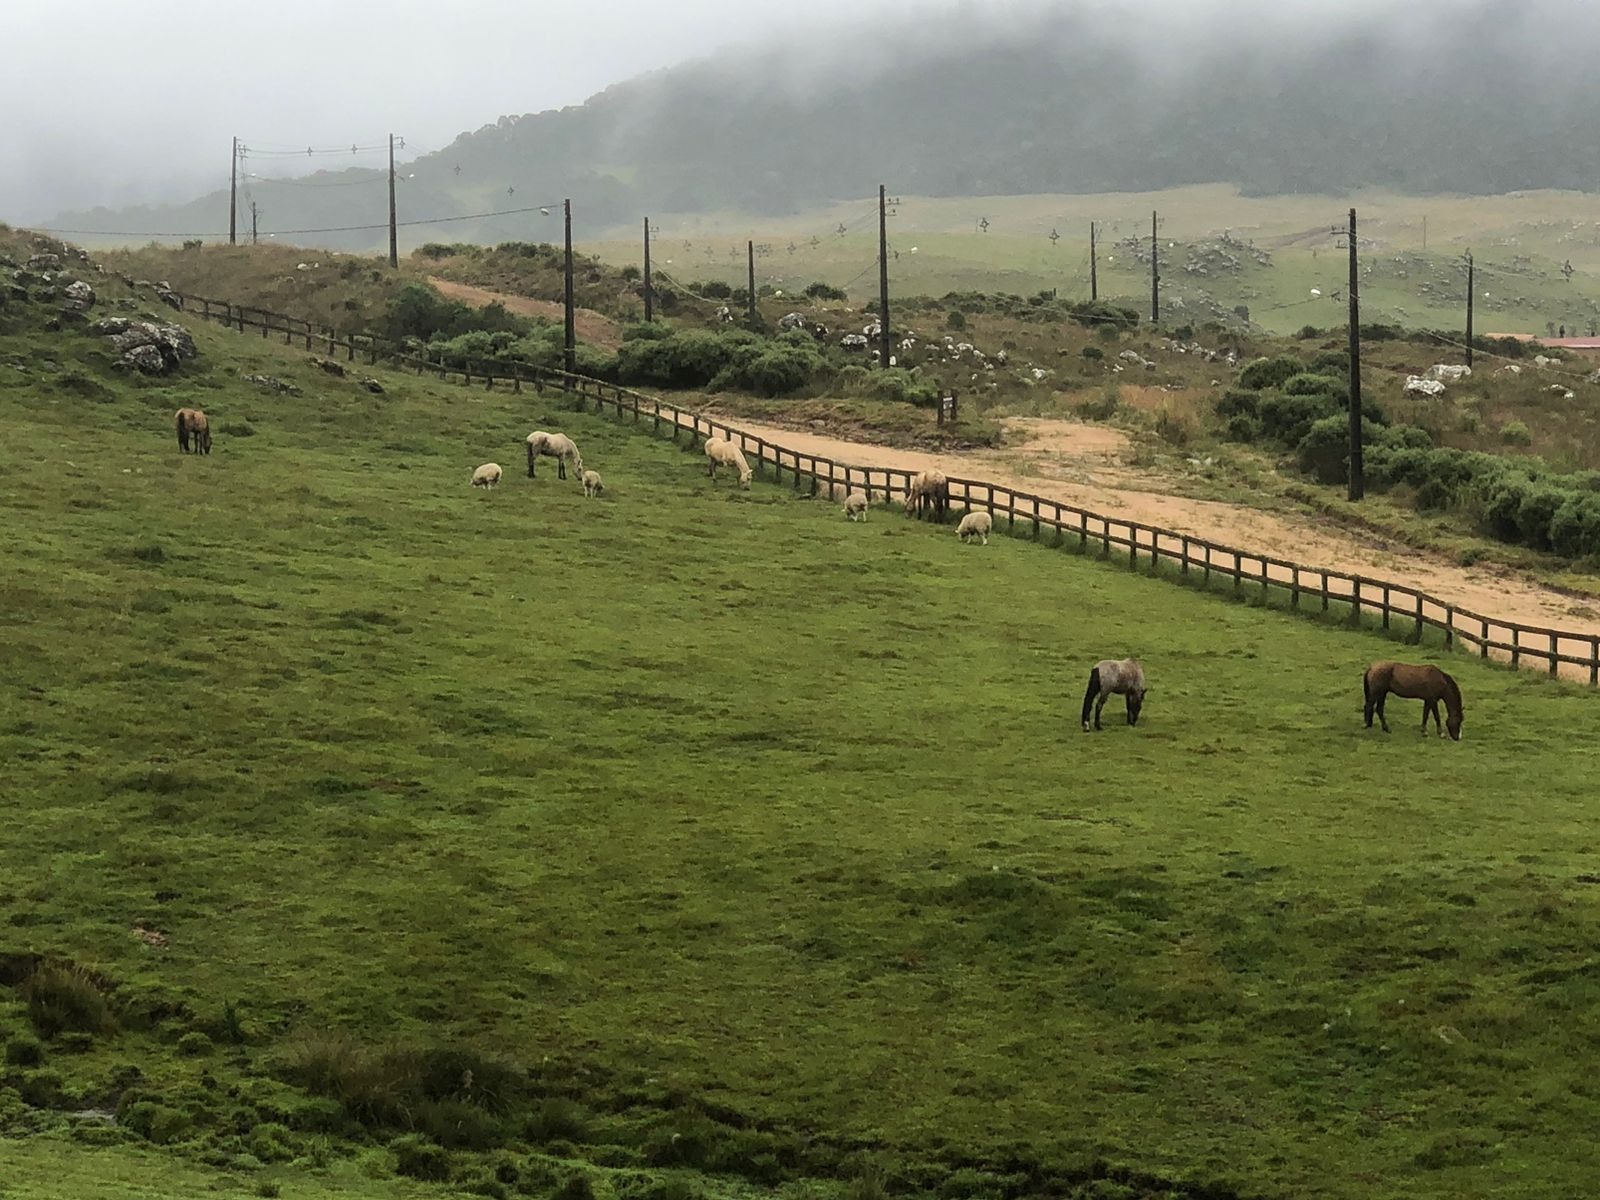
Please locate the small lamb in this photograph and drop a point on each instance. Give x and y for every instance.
(855, 506)
(975, 524)
(593, 485)
(486, 476)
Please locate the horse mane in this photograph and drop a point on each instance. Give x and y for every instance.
(1452, 693)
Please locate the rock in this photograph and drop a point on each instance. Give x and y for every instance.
(1448, 372)
(1418, 386)
(45, 295)
(1510, 369)
(171, 344)
(1540, 360)
(45, 262)
(792, 320)
(853, 341)
(331, 367)
(145, 359)
(373, 386)
(272, 384)
(53, 324)
(79, 296)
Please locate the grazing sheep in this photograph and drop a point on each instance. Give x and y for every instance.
(855, 506)
(486, 476)
(557, 446)
(975, 524)
(593, 485)
(722, 453)
(192, 423)
(929, 492)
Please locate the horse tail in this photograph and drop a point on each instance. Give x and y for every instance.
(1088, 696)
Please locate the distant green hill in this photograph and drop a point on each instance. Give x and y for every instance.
(1064, 101)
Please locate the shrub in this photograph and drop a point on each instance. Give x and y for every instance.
(1242, 427)
(646, 331)
(240, 429)
(1575, 527)
(1515, 433)
(824, 291)
(1270, 372)
(1331, 362)
(1092, 353)
(1236, 400)
(1406, 437)
(155, 1122)
(194, 1044)
(556, 1118)
(717, 290)
(955, 319)
(271, 1142)
(899, 386)
(1104, 407)
(1324, 452)
(1287, 419)
(1307, 384)
(631, 273)
(1535, 514)
(770, 369)
(24, 1051)
(1308, 332)
(418, 1158)
(1173, 428)
(62, 998)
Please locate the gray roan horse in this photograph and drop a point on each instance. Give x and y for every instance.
(1107, 679)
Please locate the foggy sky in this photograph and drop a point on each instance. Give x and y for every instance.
(111, 104)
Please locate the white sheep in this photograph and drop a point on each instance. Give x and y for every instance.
(855, 506)
(975, 524)
(557, 446)
(486, 476)
(593, 485)
(723, 453)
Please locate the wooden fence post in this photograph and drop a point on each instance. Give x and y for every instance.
(1418, 634)
(1386, 606)
(1483, 645)
(1554, 656)
(1516, 645)
(1594, 662)
(1449, 627)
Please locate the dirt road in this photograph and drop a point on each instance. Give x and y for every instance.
(1085, 465)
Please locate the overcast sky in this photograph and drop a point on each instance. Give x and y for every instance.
(113, 103)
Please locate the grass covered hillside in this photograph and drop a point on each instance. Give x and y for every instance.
(370, 835)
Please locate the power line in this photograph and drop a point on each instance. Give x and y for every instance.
(505, 212)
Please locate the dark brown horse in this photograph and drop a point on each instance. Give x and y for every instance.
(1425, 683)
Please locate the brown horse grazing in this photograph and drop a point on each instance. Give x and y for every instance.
(192, 423)
(1428, 684)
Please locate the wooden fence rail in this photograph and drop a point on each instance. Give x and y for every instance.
(1148, 547)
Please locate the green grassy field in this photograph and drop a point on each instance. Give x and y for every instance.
(1413, 253)
(695, 840)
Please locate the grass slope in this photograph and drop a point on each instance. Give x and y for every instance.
(767, 843)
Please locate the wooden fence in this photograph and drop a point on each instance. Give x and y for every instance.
(1394, 605)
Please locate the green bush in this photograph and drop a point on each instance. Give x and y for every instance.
(1516, 433)
(62, 998)
(955, 319)
(1236, 400)
(1092, 353)
(194, 1044)
(1270, 372)
(271, 1142)
(1287, 419)
(1242, 427)
(771, 368)
(1405, 437)
(1324, 451)
(1575, 527)
(1536, 513)
(1307, 384)
(824, 291)
(24, 1051)
(418, 1158)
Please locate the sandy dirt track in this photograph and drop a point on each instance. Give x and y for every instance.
(1082, 465)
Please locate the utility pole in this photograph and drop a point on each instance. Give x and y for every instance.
(649, 300)
(570, 356)
(884, 340)
(750, 300)
(1469, 308)
(1357, 477)
(394, 245)
(1155, 272)
(1094, 267)
(253, 215)
(233, 196)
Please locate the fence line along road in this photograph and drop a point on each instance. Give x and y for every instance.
(1395, 605)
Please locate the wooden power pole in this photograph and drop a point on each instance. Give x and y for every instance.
(1469, 308)
(1155, 272)
(885, 341)
(649, 300)
(750, 300)
(233, 196)
(1357, 477)
(394, 244)
(253, 215)
(1094, 267)
(570, 355)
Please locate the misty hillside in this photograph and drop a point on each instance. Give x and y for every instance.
(1472, 99)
